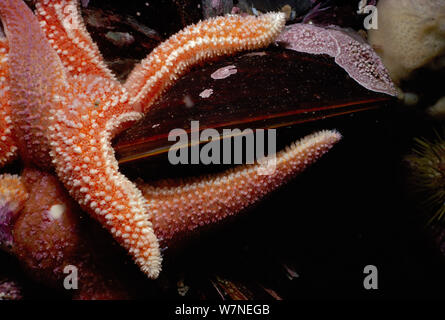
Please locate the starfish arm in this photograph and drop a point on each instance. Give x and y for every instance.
(8, 148)
(63, 26)
(204, 40)
(181, 208)
(36, 80)
(85, 163)
(68, 125)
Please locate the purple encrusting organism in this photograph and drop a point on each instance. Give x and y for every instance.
(12, 197)
(213, 8)
(10, 290)
(350, 51)
(6, 215)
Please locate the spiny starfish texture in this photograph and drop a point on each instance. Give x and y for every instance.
(63, 107)
(181, 207)
(8, 147)
(46, 233)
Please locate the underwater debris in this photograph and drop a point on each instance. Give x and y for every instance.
(224, 72)
(213, 8)
(206, 93)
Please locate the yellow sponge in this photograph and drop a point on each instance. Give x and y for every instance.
(410, 34)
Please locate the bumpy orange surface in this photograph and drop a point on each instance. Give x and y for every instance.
(65, 106)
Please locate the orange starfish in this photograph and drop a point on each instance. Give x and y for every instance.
(38, 218)
(67, 106)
